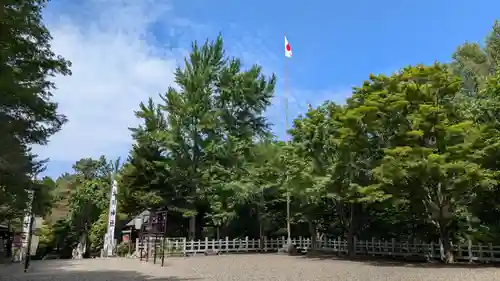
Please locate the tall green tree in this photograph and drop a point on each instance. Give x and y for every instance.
(27, 113)
(428, 161)
(146, 180)
(474, 63)
(212, 118)
(90, 197)
(338, 146)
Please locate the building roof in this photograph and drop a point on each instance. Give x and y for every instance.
(139, 217)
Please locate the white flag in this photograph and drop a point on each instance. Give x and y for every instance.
(288, 49)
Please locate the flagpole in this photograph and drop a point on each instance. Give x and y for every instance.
(285, 81)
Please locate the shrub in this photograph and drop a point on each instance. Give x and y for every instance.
(122, 249)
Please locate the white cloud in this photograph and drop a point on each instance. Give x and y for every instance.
(118, 62)
(114, 67)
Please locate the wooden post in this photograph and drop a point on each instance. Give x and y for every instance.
(339, 244)
(147, 250)
(373, 246)
(469, 251)
(480, 251)
(192, 246)
(163, 251)
(355, 245)
(155, 243)
(184, 246)
(492, 253)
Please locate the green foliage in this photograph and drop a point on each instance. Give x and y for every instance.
(28, 114)
(122, 249)
(402, 158)
(192, 158)
(47, 237)
(474, 63)
(97, 232)
(410, 155)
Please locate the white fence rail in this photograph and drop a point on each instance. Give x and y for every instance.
(182, 246)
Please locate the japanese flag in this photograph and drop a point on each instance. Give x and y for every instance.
(288, 49)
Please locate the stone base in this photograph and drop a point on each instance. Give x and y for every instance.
(289, 249)
(212, 253)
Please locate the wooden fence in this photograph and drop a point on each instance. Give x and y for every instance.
(392, 248)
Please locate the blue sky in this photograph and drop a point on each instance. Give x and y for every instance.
(124, 51)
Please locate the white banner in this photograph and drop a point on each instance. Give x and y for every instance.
(109, 239)
(27, 218)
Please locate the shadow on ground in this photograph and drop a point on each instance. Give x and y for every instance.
(417, 262)
(53, 271)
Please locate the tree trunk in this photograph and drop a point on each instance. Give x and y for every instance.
(313, 233)
(259, 213)
(10, 240)
(192, 228)
(199, 234)
(448, 254)
(351, 247)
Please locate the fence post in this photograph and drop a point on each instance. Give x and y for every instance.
(339, 244)
(407, 248)
(148, 249)
(227, 244)
(355, 245)
(480, 251)
(373, 246)
(206, 243)
(393, 242)
(492, 253)
(246, 242)
(265, 243)
(469, 250)
(163, 251)
(184, 246)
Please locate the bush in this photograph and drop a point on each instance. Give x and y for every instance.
(122, 249)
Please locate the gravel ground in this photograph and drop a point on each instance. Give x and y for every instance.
(241, 268)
